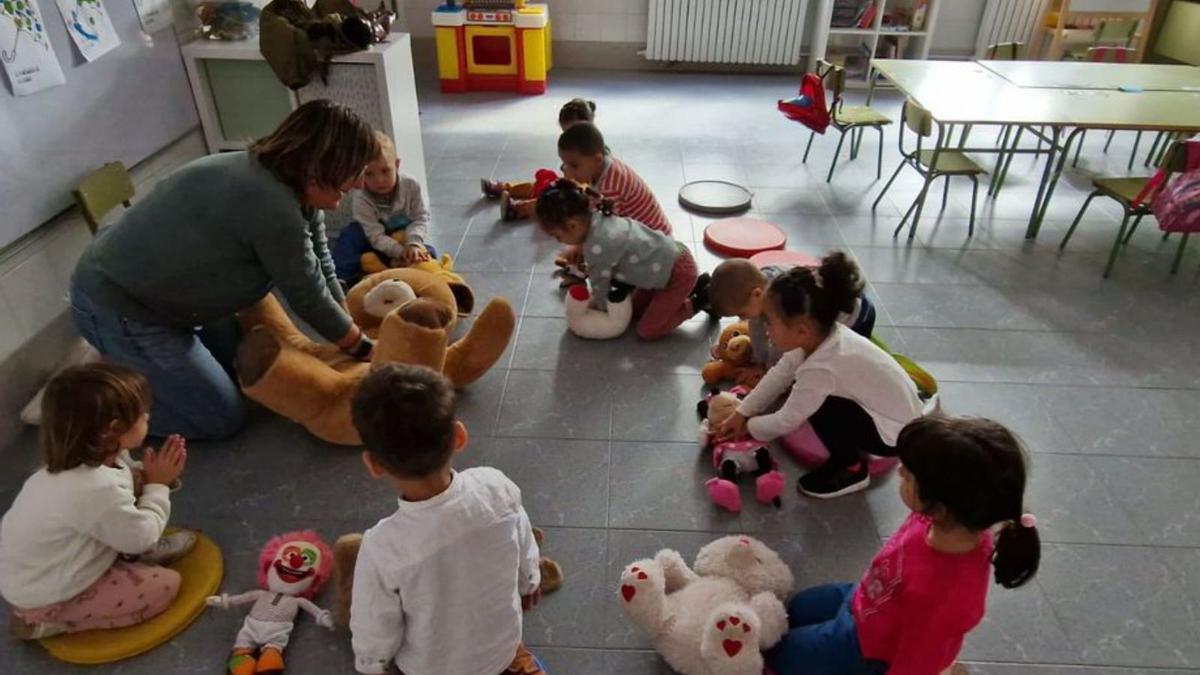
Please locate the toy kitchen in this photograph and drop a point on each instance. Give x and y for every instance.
(493, 45)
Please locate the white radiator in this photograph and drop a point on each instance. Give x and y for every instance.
(726, 31)
(1007, 21)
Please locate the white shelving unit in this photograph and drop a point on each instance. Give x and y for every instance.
(836, 43)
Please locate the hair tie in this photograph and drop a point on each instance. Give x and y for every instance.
(1028, 520)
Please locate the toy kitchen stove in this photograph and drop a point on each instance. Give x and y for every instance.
(493, 45)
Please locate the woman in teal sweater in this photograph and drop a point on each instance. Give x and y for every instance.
(158, 290)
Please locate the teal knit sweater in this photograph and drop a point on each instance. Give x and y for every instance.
(213, 238)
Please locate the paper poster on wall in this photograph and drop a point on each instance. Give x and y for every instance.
(91, 29)
(25, 48)
(154, 14)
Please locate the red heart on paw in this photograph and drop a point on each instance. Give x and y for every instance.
(732, 647)
(746, 628)
(643, 576)
(720, 625)
(628, 592)
(734, 620)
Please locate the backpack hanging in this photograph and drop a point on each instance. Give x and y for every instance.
(808, 108)
(1176, 205)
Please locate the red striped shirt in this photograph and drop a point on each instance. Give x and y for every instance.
(631, 196)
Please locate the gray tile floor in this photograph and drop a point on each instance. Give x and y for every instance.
(1099, 377)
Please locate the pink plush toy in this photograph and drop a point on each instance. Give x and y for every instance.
(291, 570)
(735, 457)
(805, 446)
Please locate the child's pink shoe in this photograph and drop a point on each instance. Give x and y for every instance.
(768, 487)
(724, 494)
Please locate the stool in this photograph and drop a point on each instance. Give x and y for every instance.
(714, 196)
(785, 259)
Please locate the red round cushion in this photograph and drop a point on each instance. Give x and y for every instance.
(743, 237)
(785, 259)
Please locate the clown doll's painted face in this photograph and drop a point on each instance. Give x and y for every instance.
(294, 569)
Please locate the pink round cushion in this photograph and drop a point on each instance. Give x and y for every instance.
(806, 447)
(785, 259)
(743, 237)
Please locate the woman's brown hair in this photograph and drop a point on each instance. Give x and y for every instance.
(86, 409)
(321, 142)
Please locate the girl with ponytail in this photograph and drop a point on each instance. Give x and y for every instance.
(853, 394)
(964, 479)
(618, 250)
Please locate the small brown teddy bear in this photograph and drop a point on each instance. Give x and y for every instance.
(733, 358)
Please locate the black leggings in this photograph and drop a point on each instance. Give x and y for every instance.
(847, 432)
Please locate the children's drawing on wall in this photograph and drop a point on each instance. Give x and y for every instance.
(25, 48)
(155, 15)
(91, 29)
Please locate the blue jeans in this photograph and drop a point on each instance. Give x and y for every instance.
(822, 638)
(347, 252)
(190, 371)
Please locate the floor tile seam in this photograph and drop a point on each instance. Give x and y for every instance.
(1072, 386)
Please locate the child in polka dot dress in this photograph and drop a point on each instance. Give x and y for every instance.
(82, 546)
(622, 251)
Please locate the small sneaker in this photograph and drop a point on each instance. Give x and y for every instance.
(170, 548)
(23, 630)
(508, 210)
(699, 296)
(492, 189)
(828, 482)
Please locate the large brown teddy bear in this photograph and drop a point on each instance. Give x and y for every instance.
(312, 384)
(733, 358)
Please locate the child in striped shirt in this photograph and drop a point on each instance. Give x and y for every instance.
(585, 159)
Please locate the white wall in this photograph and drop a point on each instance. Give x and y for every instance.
(625, 21)
(34, 276)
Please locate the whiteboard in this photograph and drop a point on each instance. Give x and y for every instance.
(126, 105)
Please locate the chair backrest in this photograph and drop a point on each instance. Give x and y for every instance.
(1118, 32)
(1005, 51)
(917, 118)
(101, 191)
(1111, 54)
(834, 77)
(1176, 158)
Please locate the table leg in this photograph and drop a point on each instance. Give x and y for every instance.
(1050, 180)
(933, 162)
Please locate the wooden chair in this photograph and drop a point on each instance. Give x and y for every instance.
(948, 163)
(845, 118)
(1124, 191)
(1066, 21)
(1116, 33)
(101, 191)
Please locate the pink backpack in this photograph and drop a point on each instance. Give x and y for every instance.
(1176, 205)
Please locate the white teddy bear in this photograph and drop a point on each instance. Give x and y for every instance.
(717, 619)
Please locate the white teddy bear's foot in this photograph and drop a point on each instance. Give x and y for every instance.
(730, 641)
(676, 573)
(642, 594)
(772, 616)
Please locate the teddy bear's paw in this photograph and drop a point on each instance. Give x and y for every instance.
(730, 641)
(642, 591)
(676, 573)
(772, 619)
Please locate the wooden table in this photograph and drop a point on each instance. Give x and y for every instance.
(959, 92)
(1088, 75)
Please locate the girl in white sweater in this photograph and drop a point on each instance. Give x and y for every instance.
(855, 396)
(82, 546)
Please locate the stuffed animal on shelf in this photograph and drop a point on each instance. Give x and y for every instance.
(292, 568)
(733, 458)
(733, 358)
(599, 324)
(718, 618)
(312, 384)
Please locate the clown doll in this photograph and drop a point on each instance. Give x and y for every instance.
(291, 568)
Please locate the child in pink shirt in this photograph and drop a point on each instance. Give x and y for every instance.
(964, 478)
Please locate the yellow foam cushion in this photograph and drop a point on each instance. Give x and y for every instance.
(200, 576)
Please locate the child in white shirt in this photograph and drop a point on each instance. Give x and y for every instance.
(854, 394)
(80, 548)
(439, 586)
